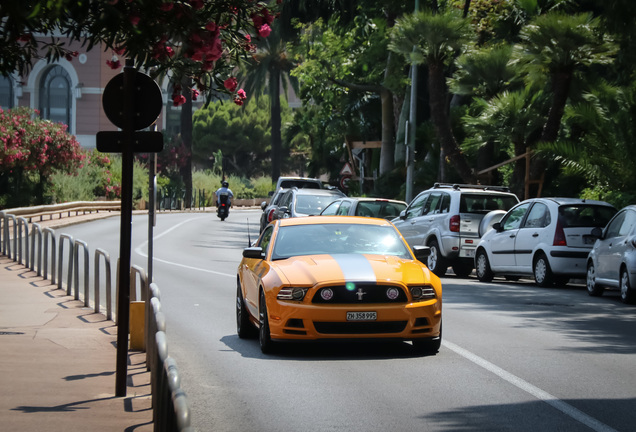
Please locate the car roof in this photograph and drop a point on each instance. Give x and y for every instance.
(319, 220)
(318, 192)
(570, 201)
(372, 199)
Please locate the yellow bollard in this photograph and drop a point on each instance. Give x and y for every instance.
(137, 320)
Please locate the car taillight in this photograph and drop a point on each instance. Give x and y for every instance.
(559, 236)
(453, 224)
(270, 215)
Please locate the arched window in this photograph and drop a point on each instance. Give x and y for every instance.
(55, 96)
(6, 92)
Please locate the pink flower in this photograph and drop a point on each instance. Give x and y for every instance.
(197, 4)
(230, 84)
(195, 94)
(265, 30)
(170, 52)
(178, 100)
(241, 94)
(238, 101)
(167, 6)
(211, 26)
(114, 63)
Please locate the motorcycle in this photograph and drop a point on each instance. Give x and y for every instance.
(223, 207)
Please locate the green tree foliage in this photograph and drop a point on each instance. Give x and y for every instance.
(201, 40)
(242, 134)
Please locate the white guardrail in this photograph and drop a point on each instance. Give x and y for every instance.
(24, 241)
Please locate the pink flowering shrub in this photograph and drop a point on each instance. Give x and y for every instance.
(30, 150)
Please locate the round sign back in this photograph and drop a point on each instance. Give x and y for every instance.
(147, 97)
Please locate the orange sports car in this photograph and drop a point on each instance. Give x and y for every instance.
(337, 277)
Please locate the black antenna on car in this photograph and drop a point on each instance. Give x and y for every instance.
(249, 239)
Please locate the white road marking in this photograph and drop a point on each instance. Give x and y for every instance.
(546, 397)
(140, 250)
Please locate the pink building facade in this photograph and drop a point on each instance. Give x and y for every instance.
(71, 92)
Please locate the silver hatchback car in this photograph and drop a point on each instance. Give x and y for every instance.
(612, 261)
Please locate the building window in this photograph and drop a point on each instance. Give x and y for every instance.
(6, 92)
(55, 96)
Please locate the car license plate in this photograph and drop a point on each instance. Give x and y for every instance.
(362, 316)
(589, 240)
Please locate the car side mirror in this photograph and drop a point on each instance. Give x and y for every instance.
(421, 252)
(403, 215)
(263, 205)
(253, 252)
(597, 232)
(270, 193)
(497, 226)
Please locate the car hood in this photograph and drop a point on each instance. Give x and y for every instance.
(312, 269)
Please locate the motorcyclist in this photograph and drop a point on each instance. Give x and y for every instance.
(224, 190)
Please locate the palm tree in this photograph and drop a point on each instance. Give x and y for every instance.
(435, 39)
(270, 67)
(601, 139)
(554, 48)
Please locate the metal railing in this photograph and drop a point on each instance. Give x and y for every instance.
(170, 406)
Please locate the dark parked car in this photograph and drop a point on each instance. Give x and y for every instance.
(268, 209)
(369, 207)
(305, 202)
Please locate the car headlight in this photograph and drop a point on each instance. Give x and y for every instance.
(425, 292)
(292, 293)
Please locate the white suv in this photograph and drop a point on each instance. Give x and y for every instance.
(548, 238)
(450, 219)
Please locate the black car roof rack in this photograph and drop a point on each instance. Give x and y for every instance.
(456, 186)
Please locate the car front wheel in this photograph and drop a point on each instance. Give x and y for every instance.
(542, 272)
(627, 293)
(593, 288)
(436, 262)
(264, 337)
(482, 267)
(244, 327)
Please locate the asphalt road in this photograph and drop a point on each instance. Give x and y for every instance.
(514, 357)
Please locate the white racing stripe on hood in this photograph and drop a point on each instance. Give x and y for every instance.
(355, 267)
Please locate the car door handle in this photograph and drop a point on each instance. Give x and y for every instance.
(535, 235)
(512, 236)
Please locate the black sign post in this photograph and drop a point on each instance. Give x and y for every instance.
(131, 101)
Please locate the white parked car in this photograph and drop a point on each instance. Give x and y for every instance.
(547, 238)
(612, 261)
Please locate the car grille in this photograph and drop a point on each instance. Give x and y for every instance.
(360, 293)
(360, 327)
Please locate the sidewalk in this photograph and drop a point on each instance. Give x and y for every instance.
(58, 362)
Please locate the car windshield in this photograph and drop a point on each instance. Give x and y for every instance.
(318, 239)
(584, 216)
(313, 204)
(379, 209)
(484, 203)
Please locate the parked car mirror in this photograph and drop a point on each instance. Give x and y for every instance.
(254, 252)
(403, 214)
(597, 232)
(421, 252)
(270, 193)
(497, 226)
(263, 205)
